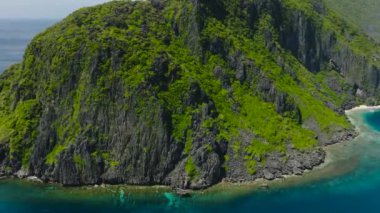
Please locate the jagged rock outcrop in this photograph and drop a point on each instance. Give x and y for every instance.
(183, 93)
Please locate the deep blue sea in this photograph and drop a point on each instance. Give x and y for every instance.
(350, 181)
(14, 37)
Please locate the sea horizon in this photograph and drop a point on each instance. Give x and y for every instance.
(113, 96)
(15, 35)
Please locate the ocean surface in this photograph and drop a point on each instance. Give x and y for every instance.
(14, 37)
(372, 119)
(350, 181)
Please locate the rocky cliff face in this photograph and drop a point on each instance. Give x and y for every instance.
(184, 93)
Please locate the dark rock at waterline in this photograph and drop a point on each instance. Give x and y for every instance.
(268, 175)
(183, 193)
(277, 165)
(100, 111)
(342, 136)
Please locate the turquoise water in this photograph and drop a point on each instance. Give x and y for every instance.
(372, 119)
(350, 183)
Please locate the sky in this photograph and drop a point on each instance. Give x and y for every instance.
(42, 9)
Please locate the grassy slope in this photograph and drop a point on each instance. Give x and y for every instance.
(365, 13)
(274, 131)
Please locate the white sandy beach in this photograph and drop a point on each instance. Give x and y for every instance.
(362, 108)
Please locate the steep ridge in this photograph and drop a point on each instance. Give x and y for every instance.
(184, 93)
(364, 13)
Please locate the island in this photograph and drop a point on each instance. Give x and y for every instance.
(184, 93)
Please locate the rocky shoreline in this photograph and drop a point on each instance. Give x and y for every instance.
(296, 163)
(207, 110)
(275, 168)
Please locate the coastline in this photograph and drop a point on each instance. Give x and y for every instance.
(336, 163)
(363, 107)
(225, 190)
(331, 167)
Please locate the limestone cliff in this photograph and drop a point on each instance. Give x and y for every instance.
(184, 93)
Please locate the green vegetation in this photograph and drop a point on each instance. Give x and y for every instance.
(51, 158)
(126, 58)
(191, 169)
(18, 123)
(364, 13)
(79, 162)
(113, 164)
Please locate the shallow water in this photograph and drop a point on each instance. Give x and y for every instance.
(350, 182)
